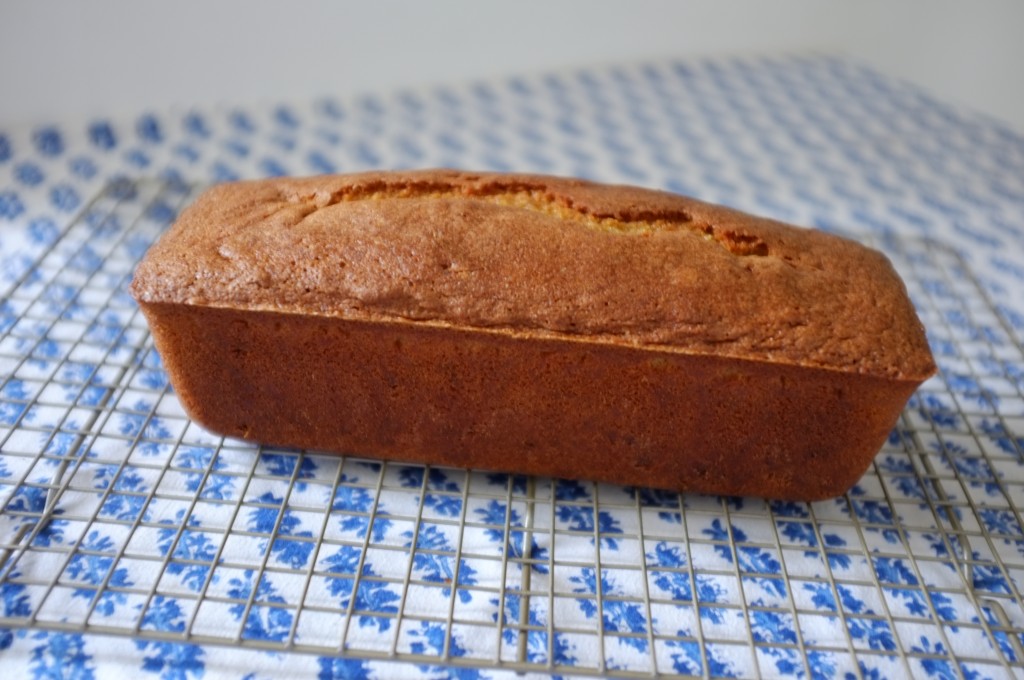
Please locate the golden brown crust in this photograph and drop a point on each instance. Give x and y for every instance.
(544, 256)
(537, 325)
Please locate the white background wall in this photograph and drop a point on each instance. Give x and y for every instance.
(73, 58)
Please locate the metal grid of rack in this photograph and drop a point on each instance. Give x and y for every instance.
(122, 517)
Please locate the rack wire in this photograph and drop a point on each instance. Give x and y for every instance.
(123, 518)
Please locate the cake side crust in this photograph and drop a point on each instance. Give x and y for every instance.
(402, 391)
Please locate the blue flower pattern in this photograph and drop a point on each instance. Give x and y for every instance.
(536, 640)
(685, 126)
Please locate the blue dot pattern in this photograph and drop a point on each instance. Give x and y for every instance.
(201, 557)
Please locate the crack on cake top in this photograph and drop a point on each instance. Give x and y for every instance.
(537, 197)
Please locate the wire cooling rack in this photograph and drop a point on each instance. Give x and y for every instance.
(122, 517)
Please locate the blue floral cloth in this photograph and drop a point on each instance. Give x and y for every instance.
(134, 542)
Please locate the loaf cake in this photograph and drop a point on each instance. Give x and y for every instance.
(536, 325)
